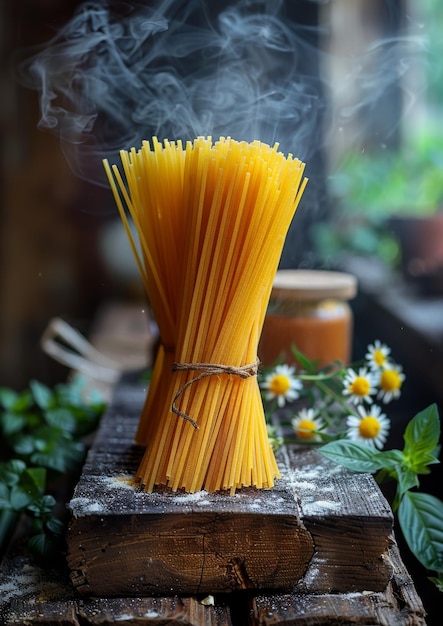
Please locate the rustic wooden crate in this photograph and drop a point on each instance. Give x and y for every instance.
(321, 529)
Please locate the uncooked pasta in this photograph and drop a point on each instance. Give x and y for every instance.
(211, 219)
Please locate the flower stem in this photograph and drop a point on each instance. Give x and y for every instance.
(341, 401)
(316, 377)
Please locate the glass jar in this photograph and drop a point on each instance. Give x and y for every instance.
(309, 309)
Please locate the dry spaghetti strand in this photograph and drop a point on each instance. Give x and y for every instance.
(211, 219)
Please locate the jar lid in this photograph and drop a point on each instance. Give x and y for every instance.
(314, 285)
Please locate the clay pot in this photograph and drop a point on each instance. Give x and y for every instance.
(421, 244)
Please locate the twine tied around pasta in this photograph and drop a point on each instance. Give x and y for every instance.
(209, 369)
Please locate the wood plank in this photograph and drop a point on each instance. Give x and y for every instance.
(320, 528)
(32, 595)
(397, 605)
(349, 520)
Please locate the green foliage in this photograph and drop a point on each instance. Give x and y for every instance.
(405, 180)
(363, 234)
(41, 430)
(351, 454)
(370, 186)
(420, 515)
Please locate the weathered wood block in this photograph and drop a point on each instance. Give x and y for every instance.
(398, 605)
(320, 529)
(45, 597)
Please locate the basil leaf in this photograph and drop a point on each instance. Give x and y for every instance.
(390, 459)
(22, 402)
(421, 437)
(43, 545)
(23, 444)
(12, 423)
(438, 581)
(43, 396)
(34, 478)
(355, 456)
(63, 456)
(407, 479)
(420, 516)
(11, 471)
(56, 526)
(8, 397)
(20, 498)
(43, 505)
(61, 418)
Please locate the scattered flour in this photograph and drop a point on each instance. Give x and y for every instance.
(189, 497)
(320, 507)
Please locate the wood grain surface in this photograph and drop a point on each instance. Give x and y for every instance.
(320, 528)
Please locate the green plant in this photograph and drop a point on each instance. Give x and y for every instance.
(340, 416)
(42, 431)
(420, 515)
(370, 186)
(405, 180)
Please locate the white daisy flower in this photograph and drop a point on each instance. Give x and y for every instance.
(371, 428)
(390, 382)
(306, 424)
(282, 385)
(377, 355)
(360, 387)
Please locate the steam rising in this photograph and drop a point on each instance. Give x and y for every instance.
(121, 72)
(111, 78)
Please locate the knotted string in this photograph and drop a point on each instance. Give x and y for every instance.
(209, 369)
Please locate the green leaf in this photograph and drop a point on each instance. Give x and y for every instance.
(43, 506)
(56, 526)
(395, 462)
(23, 444)
(5, 502)
(407, 479)
(421, 439)
(355, 456)
(12, 423)
(8, 397)
(11, 471)
(421, 520)
(20, 499)
(390, 459)
(43, 396)
(29, 489)
(61, 456)
(438, 581)
(305, 362)
(23, 402)
(43, 546)
(61, 418)
(34, 478)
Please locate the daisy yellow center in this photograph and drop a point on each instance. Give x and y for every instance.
(305, 428)
(379, 358)
(390, 380)
(360, 386)
(369, 427)
(279, 385)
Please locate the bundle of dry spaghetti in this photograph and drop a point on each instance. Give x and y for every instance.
(212, 219)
